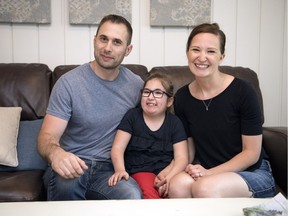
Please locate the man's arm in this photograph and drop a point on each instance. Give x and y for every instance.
(64, 163)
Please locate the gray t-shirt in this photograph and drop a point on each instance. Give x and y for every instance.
(93, 108)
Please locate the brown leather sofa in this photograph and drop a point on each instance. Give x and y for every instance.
(29, 86)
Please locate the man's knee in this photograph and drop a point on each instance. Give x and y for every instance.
(59, 188)
(130, 189)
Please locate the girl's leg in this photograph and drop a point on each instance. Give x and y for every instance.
(145, 181)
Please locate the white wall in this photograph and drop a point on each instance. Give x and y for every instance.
(256, 33)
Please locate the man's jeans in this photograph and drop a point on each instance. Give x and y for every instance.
(93, 184)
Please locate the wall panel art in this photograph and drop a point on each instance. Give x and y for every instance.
(180, 12)
(92, 11)
(25, 11)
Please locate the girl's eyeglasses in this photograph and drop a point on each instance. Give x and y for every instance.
(157, 93)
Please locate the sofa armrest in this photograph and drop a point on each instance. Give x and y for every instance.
(275, 145)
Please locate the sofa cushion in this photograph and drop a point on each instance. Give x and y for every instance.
(9, 126)
(27, 86)
(28, 156)
(22, 186)
(275, 145)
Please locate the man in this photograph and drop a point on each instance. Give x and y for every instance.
(85, 108)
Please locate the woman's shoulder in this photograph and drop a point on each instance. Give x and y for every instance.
(182, 90)
(241, 84)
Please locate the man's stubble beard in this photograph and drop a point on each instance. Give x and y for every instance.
(108, 66)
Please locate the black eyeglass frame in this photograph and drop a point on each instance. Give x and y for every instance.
(156, 90)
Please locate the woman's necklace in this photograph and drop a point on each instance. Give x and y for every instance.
(207, 105)
(218, 88)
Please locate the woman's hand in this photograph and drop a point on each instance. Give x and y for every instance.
(196, 171)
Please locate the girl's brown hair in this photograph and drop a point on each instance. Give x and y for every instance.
(165, 81)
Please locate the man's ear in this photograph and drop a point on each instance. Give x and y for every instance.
(128, 49)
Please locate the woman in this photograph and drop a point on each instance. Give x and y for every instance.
(223, 121)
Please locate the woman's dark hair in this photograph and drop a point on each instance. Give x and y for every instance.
(119, 20)
(208, 28)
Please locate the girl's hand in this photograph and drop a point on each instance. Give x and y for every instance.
(161, 185)
(159, 181)
(163, 190)
(117, 176)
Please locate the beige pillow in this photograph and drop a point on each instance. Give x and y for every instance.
(9, 125)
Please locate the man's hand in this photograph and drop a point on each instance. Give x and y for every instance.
(66, 164)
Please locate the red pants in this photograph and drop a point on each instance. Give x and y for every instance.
(145, 181)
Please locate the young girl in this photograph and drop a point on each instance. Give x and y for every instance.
(154, 139)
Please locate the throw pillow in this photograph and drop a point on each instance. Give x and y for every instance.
(28, 156)
(9, 125)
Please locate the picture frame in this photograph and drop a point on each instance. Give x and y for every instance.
(90, 12)
(185, 13)
(25, 11)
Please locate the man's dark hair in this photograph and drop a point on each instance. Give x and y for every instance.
(119, 20)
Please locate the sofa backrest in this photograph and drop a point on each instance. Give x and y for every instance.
(29, 85)
(26, 86)
(181, 75)
(140, 70)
